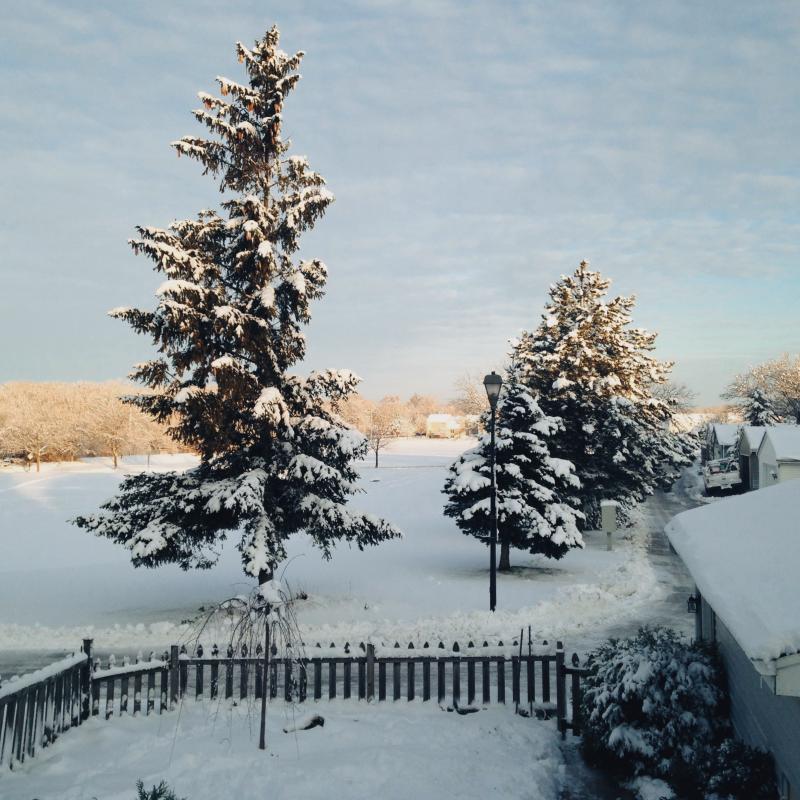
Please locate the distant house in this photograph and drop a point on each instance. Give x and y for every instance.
(444, 426)
(750, 438)
(720, 440)
(779, 454)
(472, 424)
(744, 555)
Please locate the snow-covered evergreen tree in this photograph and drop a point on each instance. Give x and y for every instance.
(759, 409)
(591, 368)
(537, 507)
(275, 458)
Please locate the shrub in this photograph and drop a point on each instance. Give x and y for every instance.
(735, 771)
(160, 792)
(651, 703)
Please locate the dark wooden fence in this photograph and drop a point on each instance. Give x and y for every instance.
(538, 682)
(38, 708)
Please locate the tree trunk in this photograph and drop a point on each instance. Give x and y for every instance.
(264, 576)
(114, 456)
(262, 738)
(505, 558)
(38, 461)
(376, 458)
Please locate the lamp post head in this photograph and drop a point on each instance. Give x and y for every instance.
(492, 384)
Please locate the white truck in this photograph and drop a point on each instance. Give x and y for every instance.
(721, 475)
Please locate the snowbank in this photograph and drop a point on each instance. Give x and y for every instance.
(390, 751)
(742, 553)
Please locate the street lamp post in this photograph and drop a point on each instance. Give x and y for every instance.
(492, 384)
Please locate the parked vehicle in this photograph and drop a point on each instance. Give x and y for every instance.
(721, 475)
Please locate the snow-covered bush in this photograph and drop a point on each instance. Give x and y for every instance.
(160, 792)
(735, 771)
(651, 703)
(656, 706)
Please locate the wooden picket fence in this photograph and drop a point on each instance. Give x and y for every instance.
(36, 710)
(539, 682)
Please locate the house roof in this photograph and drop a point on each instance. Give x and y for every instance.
(442, 418)
(785, 440)
(753, 435)
(724, 433)
(743, 554)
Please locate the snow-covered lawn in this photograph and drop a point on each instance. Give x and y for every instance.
(59, 583)
(382, 751)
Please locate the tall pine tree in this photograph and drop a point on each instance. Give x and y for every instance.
(275, 458)
(759, 409)
(591, 368)
(536, 493)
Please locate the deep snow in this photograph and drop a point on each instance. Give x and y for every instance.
(209, 751)
(59, 584)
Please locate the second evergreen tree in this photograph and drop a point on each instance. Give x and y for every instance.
(537, 506)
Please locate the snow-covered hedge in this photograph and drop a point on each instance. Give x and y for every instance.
(656, 705)
(734, 770)
(648, 701)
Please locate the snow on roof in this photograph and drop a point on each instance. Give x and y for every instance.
(742, 553)
(785, 439)
(441, 418)
(754, 435)
(725, 434)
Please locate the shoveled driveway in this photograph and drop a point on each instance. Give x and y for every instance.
(668, 608)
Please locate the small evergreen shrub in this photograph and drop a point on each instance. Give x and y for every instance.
(656, 706)
(160, 792)
(735, 771)
(650, 703)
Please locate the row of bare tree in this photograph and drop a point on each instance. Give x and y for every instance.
(64, 421)
(778, 380)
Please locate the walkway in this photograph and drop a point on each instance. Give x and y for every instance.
(668, 609)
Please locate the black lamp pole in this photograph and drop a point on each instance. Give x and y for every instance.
(492, 383)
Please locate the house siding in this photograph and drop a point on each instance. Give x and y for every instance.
(760, 718)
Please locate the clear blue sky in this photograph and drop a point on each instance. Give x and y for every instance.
(477, 151)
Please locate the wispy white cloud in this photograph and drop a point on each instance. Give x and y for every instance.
(477, 150)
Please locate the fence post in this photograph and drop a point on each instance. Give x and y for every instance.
(174, 663)
(576, 696)
(86, 680)
(370, 672)
(561, 691)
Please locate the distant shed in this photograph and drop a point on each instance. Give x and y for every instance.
(750, 437)
(444, 426)
(779, 455)
(720, 440)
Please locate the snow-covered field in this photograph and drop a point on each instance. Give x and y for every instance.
(59, 584)
(387, 751)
